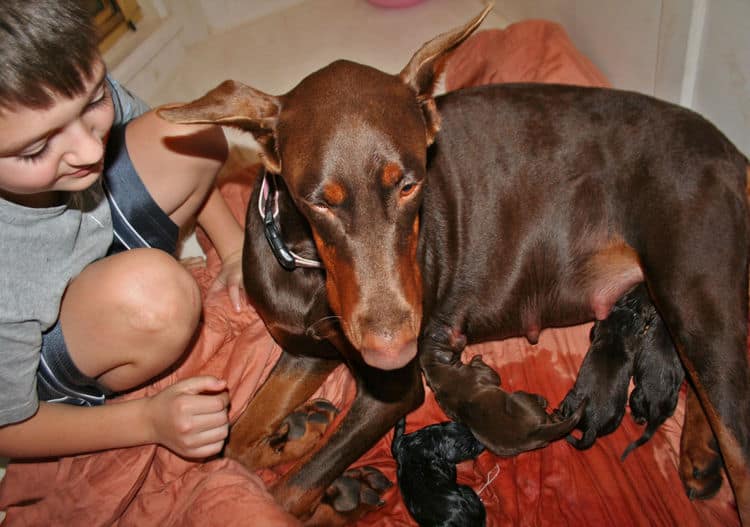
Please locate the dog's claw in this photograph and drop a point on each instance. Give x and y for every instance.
(324, 406)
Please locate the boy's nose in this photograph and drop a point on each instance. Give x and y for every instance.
(86, 146)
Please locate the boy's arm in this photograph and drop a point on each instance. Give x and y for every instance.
(180, 417)
(227, 237)
(217, 220)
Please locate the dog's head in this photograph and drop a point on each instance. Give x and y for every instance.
(350, 143)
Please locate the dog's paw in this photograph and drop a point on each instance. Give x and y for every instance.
(297, 434)
(351, 496)
(700, 471)
(301, 430)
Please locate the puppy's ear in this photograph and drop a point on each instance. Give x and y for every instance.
(422, 71)
(235, 104)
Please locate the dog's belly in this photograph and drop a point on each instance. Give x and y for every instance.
(525, 320)
(544, 296)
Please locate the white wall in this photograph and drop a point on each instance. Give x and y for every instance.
(722, 82)
(692, 52)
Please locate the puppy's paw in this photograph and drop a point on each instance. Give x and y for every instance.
(351, 496)
(570, 404)
(602, 415)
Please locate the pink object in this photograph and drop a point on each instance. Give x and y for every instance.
(395, 3)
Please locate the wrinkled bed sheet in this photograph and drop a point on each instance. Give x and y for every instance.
(557, 485)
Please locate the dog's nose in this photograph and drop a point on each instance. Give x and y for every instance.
(389, 351)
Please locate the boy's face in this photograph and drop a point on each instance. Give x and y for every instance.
(43, 152)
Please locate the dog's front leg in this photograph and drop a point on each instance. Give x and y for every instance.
(382, 398)
(253, 438)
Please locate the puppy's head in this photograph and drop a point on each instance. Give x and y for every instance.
(350, 142)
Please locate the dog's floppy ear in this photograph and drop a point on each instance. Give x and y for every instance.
(421, 73)
(232, 103)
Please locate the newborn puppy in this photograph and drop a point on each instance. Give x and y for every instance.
(658, 375)
(427, 474)
(604, 376)
(513, 422)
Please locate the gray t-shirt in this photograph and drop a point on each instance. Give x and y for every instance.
(41, 250)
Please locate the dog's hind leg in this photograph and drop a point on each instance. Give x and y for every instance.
(712, 344)
(269, 431)
(696, 269)
(700, 463)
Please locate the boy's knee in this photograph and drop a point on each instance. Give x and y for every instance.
(159, 295)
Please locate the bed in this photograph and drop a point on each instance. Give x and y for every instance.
(557, 485)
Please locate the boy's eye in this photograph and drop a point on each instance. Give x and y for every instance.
(36, 155)
(99, 100)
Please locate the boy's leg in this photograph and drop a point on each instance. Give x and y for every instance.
(130, 316)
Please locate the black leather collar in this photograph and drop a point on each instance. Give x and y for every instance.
(268, 207)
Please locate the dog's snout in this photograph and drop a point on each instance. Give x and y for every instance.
(389, 351)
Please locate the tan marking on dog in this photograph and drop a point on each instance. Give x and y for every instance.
(341, 285)
(391, 175)
(610, 273)
(334, 194)
(411, 276)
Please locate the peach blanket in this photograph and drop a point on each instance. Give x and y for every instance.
(557, 485)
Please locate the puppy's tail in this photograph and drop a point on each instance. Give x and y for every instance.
(398, 437)
(647, 434)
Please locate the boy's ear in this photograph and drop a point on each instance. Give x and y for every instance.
(235, 104)
(422, 71)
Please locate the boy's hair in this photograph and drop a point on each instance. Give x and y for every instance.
(49, 48)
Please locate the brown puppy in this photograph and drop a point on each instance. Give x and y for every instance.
(517, 421)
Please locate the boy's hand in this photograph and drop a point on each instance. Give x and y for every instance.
(230, 277)
(190, 417)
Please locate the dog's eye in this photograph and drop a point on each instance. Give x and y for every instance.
(407, 189)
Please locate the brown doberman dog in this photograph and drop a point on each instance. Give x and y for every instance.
(534, 206)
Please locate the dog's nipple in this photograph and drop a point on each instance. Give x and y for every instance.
(532, 334)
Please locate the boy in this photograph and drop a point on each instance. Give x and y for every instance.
(81, 317)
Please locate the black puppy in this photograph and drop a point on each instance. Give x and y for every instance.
(604, 376)
(632, 341)
(658, 375)
(427, 474)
